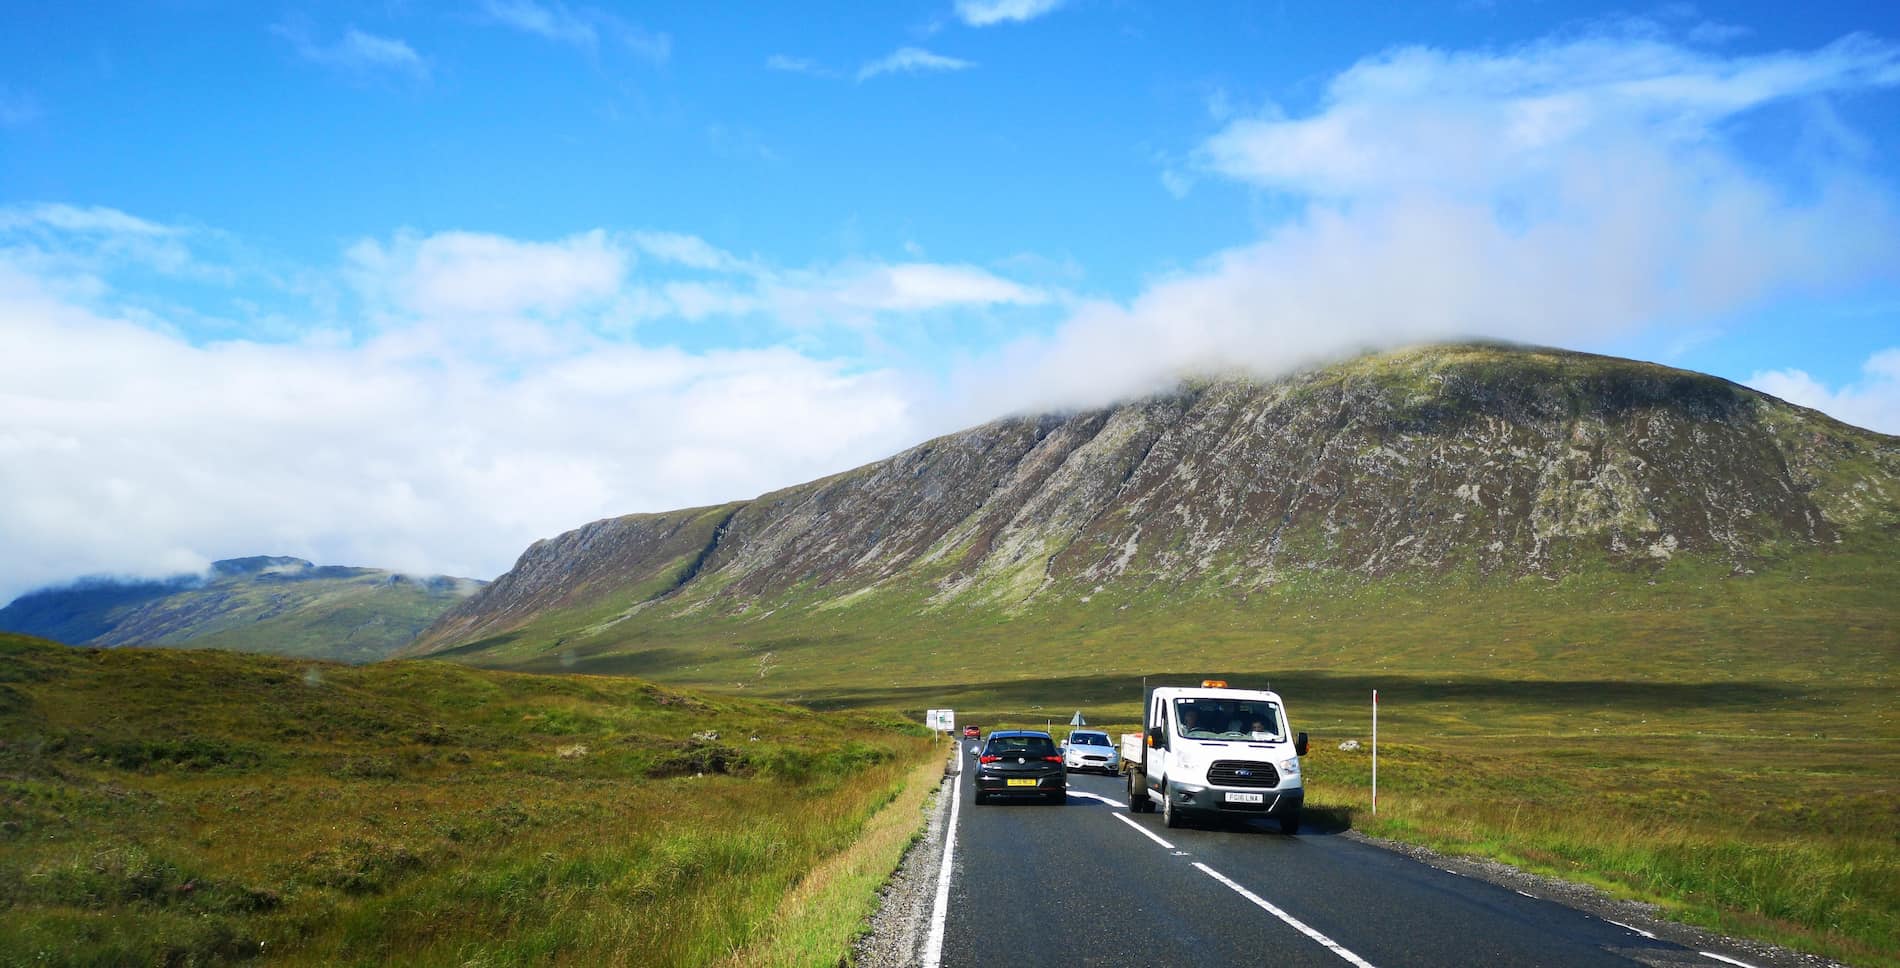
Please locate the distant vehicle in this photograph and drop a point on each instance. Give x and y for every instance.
(971, 732)
(1089, 749)
(1215, 751)
(1021, 762)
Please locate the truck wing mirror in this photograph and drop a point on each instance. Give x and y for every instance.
(1156, 737)
(1299, 745)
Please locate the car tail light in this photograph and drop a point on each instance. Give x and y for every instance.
(1053, 759)
(988, 758)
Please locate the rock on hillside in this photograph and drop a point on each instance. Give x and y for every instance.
(285, 606)
(1489, 458)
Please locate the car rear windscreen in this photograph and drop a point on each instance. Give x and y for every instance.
(1022, 745)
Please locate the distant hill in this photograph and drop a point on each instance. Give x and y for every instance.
(284, 606)
(1291, 514)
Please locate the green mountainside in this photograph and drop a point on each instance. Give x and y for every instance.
(1484, 509)
(284, 606)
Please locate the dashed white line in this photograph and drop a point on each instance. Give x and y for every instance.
(1095, 796)
(933, 948)
(1145, 832)
(1630, 927)
(1298, 925)
(1531, 896)
(1726, 960)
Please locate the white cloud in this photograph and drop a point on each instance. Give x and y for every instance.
(984, 13)
(356, 52)
(859, 295)
(579, 27)
(911, 60)
(1489, 123)
(1872, 402)
(475, 274)
(1565, 192)
(798, 65)
(127, 450)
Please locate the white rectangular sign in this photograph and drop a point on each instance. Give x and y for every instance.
(942, 720)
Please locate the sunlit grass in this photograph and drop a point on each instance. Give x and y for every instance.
(163, 807)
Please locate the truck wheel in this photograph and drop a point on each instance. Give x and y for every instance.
(1290, 822)
(1138, 801)
(1170, 817)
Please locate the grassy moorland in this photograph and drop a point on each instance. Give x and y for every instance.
(164, 807)
(1723, 742)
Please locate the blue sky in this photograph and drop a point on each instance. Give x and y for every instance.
(411, 284)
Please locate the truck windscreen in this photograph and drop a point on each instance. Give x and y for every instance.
(1243, 719)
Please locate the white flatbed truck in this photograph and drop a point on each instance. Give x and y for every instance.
(1209, 750)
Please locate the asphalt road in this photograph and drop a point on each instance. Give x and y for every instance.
(1088, 883)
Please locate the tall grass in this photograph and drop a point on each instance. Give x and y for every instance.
(198, 808)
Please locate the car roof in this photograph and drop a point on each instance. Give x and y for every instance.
(1020, 732)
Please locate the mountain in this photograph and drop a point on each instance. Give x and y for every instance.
(1464, 469)
(285, 606)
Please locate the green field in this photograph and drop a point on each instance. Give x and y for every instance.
(164, 807)
(1724, 742)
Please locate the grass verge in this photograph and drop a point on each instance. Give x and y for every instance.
(200, 807)
(828, 910)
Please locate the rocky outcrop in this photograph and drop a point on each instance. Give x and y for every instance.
(1477, 457)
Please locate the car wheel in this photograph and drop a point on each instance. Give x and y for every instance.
(982, 797)
(1170, 817)
(1290, 822)
(1059, 797)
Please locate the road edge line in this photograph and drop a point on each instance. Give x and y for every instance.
(940, 908)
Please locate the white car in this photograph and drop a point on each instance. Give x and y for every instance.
(1088, 749)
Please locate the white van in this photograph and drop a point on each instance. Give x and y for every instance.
(1211, 750)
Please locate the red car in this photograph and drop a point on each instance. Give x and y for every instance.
(971, 732)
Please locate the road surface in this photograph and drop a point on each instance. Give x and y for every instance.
(1087, 883)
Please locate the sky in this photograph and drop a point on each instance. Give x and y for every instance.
(411, 285)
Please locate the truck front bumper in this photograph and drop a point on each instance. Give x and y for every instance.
(1276, 803)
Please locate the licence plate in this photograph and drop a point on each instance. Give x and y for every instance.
(1246, 798)
(1023, 783)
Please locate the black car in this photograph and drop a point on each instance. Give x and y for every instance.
(1022, 763)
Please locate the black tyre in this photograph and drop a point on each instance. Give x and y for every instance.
(1138, 801)
(1170, 817)
(982, 797)
(1059, 797)
(1290, 822)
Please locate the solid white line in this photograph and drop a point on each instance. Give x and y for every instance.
(1531, 896)
(933, 948)
(1297, 924)
(1145, 832)
(1631, 927)
(1711, 954)
(1096, 796)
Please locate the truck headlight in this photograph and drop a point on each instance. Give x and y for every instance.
(1290, 767)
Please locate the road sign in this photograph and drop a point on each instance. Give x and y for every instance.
(1078, 720)
(941, 720)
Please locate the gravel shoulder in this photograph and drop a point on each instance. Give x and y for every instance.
(901, 925)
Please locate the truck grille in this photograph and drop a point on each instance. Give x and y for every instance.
(1243, 773)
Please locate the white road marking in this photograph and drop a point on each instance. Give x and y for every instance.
(1726, 960)
(1095, 796)
(1297, 924)
(1631, 927)
(1531, 896)
(933, 948)
(1145, 832)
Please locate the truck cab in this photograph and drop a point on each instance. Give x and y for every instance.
(1211, 751)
